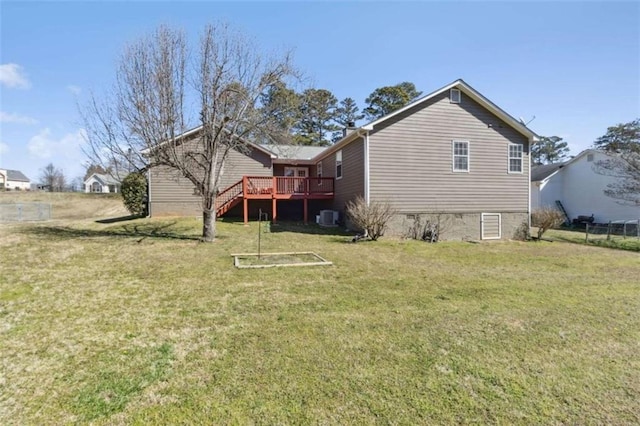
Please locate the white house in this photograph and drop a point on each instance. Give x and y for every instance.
(579, 188)
(14, 180)
(102, 183)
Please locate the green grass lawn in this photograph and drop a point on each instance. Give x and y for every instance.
(137, 322)
(630, 243)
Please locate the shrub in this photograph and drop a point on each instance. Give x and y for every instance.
(372, 218)
(134, 193)
(522, 232)
(546, 218)
(429, 231)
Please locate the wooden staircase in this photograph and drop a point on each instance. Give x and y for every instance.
(229, 198)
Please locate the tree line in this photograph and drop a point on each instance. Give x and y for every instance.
(316, 117)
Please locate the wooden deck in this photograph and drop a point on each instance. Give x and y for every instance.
(274, 188)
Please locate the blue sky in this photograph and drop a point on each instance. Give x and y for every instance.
(575, 66)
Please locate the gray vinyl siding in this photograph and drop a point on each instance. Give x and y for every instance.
(172, 194)
(352, 182)
(411, 160)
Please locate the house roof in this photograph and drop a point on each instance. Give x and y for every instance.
(543, 171)
(458, 84)
(105, 179)
(16, 176)
(197, 130)
(294, 152)
(473, 94)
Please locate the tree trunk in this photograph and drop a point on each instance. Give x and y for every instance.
(208, 225)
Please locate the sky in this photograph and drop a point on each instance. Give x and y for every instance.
(570, 68)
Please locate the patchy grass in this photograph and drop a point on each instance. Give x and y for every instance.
(578, 237)
(71, 205)
(136, 322)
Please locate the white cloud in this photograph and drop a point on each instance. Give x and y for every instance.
(44, 146)
(76, 90)
(6, 117)
(12, 76)
(4, 148)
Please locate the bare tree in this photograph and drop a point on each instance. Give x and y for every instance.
(622, 145)
(53, 178)
(156, 83)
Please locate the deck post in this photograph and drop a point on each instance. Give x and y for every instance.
(306, 210)
(246, 210)
(245, 201)
(274, 212)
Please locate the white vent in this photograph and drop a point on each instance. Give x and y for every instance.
(328, 218)
(454, 96)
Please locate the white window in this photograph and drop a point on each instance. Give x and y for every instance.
(515, 158)
(319, 169)
(455, 96)
(589, 157)
(339, 164)
(460, 156)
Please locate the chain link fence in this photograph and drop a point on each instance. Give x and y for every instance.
(24, 212)
(619, 229)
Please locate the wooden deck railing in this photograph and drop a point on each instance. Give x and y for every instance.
(260, 186)
(229, 194)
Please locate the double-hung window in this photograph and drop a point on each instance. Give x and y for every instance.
(515, 158)
(460, 156)
(339, 164)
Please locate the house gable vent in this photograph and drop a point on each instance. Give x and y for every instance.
(455, 96)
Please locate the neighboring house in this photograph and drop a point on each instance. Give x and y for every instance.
(451, 156)
(579, 188)
(14, 180)
(102, 183)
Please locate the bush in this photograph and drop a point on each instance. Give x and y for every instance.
(545, 219)
(429, 231)
(372, 218)
(134, 193)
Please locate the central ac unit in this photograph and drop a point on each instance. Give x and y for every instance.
(328, 218)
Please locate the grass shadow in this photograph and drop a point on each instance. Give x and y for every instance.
(140, 230)
(119, 219)
(310, 228)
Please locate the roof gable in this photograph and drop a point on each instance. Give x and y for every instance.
(473, 94)
(16, 176)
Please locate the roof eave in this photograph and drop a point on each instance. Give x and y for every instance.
(338, 145)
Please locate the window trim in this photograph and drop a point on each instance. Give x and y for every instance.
(339, 163)
(319, 172)
(521, 158)
(459, 96)
(453, 157)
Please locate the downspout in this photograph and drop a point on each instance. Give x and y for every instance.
(367, 196)
(148, 192)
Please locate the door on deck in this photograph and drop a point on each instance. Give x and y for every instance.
(297, 177)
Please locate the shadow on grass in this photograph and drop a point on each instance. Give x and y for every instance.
(311, 228)
(119, 219)
(141, 231)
